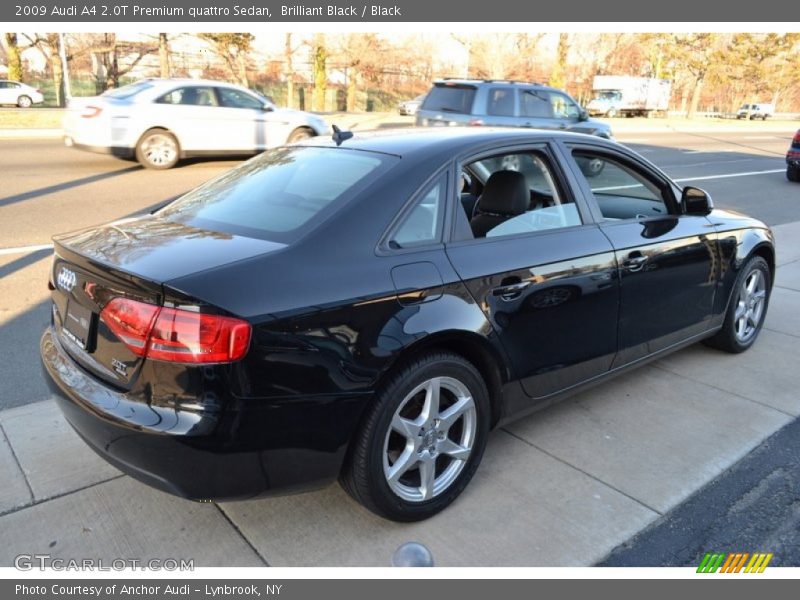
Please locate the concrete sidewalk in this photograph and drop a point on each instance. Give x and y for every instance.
(561, 488)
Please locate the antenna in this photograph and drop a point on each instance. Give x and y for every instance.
(340, 136)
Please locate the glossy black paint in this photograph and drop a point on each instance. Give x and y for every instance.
(334, 312)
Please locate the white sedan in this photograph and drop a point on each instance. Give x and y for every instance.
(160, 121)
(19, 94)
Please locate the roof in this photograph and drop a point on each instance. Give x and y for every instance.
(421, 140)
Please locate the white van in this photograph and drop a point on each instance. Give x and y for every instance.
(755, 111)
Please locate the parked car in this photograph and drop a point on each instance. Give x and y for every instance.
(19, 94)
(505, 104)
(409, 107)
(755, 111)
(793, 159)
(369, 308)
(160, 121)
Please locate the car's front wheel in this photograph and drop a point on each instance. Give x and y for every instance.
(793, 173)
(158, 149)
(422, 439)
(747, 308)
(24, 102)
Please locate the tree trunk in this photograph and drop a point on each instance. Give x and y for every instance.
(320, 73)
(289, 72)
(13, 56)
(58, 78)
(352, 88)
(241, 66)
(558, 78)
(163, 55)
(698, 86)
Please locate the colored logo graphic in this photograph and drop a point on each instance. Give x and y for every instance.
(734, 562)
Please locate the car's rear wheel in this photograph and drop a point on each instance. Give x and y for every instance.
(611, 113)
(747, 308)
(793, 173)
(24, 102)
(301, 133)
(421, 441)
(158, 149)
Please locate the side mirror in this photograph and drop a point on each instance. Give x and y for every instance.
(583, 115)
(695, 201)
(268, 107)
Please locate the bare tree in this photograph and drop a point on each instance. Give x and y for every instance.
(233, 49)
(113, 59)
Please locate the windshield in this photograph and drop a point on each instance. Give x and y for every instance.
(607, 95)
(450, 98)
(281, 194)
(126, 91)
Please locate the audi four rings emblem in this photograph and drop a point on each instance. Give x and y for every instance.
(66, 280)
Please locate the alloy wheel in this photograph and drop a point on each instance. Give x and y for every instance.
(159, 149)
(750, 306)
(430, 439)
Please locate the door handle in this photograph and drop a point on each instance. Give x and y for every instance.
(511, 291)
(634, 263)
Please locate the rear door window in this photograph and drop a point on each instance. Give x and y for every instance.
(450, 98)
(281, 194)
(501, 102)
(193, 96)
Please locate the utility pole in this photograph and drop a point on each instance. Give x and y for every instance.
(62, 53)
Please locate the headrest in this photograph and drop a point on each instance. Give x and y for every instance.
(505, 193)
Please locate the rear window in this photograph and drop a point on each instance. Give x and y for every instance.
(127, 91)
(281, 194)
(450, 98)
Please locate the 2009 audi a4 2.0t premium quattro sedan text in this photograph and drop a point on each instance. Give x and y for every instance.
(367, 309)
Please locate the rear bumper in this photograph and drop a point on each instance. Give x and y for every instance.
(257, 448)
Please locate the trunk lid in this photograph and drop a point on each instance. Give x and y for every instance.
(131, 258)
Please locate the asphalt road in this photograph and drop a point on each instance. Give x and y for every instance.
(48, 188)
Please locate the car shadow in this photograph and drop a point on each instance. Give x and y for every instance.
(60, 187)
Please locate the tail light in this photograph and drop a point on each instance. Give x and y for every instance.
(476, 122)
(90, 112)
(796, 139)
(175, 335)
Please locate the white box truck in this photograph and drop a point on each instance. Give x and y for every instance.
(630, 96)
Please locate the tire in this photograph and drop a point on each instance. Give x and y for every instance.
(590, 167)
(611, 113)
(746, 309)
(396, 434)
(301, 133)
(24, 102)
(511, 162)
(793, 173)
(158, 149)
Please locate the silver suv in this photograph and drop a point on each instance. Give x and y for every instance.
(505, 104)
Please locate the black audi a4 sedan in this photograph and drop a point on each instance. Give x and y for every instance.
(368, 309)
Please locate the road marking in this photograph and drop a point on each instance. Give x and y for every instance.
(730, 175)
(762, 137)
(25, 249)
(707, 151)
